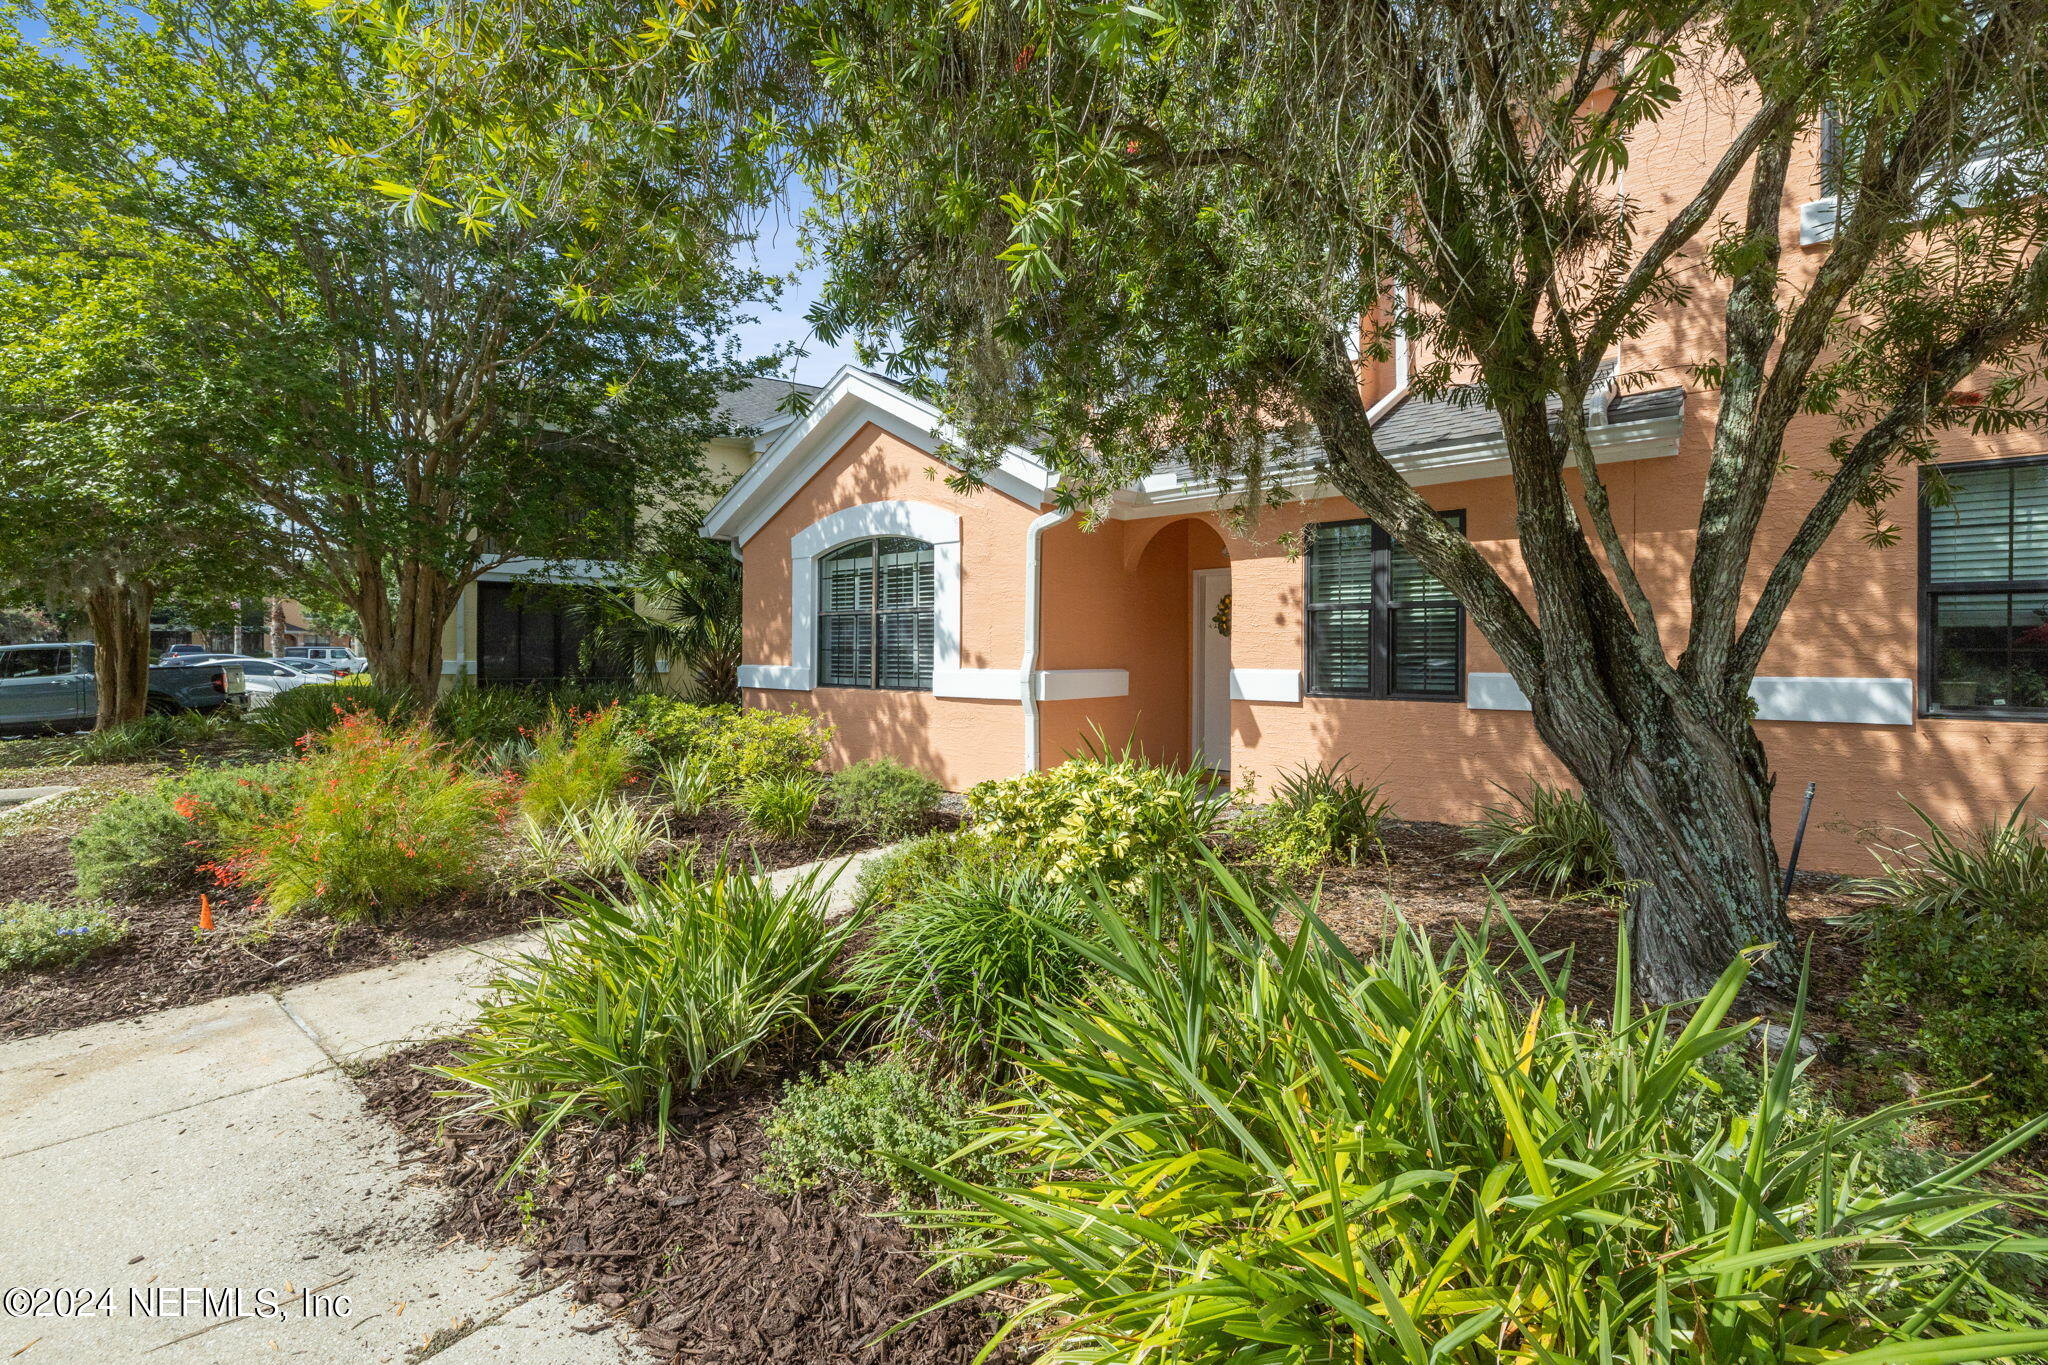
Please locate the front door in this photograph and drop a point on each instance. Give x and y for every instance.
(1210, 703)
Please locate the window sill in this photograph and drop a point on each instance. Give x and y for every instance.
(1385, 696)
(2025, 715)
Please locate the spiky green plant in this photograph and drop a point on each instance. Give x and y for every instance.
(646, 993)
(602, 841)
(692, 786)
(1550, 838)
(1253, 1146)
(780, 806)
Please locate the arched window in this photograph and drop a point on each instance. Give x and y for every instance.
(875, 628)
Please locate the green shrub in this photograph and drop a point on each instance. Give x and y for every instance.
(590, 844)
(690, 788)
(648, 993)
(893, 876)
(289, 717)
(872, 1122)
(389, 820)
(779, 806)
(1957, 963)
(144, 843)
(1316, 816)
(148, 736)
(35, 936)
(746, 746)
(1552, 839)
(672, 727)
(882, 797)
(490, 716)
(1113, 818)
(1252, 1145)
(963, 963)
(580, 760)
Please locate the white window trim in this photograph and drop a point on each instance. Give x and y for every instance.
(935, 526)
(1820, 701)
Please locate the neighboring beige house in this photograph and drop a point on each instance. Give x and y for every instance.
(501, 632)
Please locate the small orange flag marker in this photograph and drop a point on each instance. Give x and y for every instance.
(205, 912)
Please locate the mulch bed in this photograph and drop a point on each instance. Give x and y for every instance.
(676, 1241)
(1434, 882)
(165, 962)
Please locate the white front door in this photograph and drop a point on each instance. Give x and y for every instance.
(1211, 696)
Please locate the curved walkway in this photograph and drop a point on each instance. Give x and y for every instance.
(205, 1184)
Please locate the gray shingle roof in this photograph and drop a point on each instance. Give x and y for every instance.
(757, 402)
(1461, 416)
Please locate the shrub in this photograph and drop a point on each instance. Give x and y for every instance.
(490, 716)
(606, 839)
(647, 993)
(748, 745)
(780, 806)
(143, 843)
(882, 797)
(963, 963)
(147, 737)
(895, 875)
(1957, 966)
(34, 936)
(872, 1122)
(1316, 816)
(690, 788)
(580, 759)
(672, 727)
(318, 707)
(389, 821)
(1253, 1145)
(1113, 818)
(1552, 839)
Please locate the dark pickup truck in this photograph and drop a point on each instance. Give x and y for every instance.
(50, 687)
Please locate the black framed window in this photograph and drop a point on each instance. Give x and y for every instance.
(1984, 592)
(875, 621)
(1378, 624)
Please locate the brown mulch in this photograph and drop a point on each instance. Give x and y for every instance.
(1435, 883)
(165, 962)
(675, 1240)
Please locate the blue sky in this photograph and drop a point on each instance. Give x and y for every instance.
(777, 251)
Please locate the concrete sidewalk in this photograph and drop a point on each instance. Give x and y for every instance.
(222, 1147)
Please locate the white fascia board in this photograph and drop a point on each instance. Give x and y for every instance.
(776, 677)
(1165, 495)
(1814, 701)
(1053, 684)
(1265, 684)
(805, 444)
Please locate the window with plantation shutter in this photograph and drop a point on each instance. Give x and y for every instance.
(1378, 625)
(1984, 591)
(875, 623)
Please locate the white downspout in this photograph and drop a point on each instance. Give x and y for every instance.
(1400, 389)
(1027, 673)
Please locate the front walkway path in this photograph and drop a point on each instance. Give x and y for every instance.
(223, 1147)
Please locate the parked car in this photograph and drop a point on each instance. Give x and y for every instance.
(348, 659)
(329, 670)
(268, 677)
(178, 653)
(51, 687)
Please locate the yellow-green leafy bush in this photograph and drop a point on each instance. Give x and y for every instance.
(1113, 818)
(748, 746)
(581, 759)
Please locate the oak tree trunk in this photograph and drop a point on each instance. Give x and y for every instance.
(119, 612)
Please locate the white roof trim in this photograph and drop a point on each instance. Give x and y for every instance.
(805, 443)
(1171, 495)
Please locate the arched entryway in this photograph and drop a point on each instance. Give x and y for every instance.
(1180, 573)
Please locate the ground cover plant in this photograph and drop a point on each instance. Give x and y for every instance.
(873, 1123)
(1549, 837)
(1957, 967)
(1313, 816)
(1254, 1145)
(587, 845)
(150, 736)
(645, 994)
(780, 805)
(34, 935)
(882, 797)
(959, 968)
(165, 838)
(389, 820)
(318, 707)
(890, 878)
(1114, 818)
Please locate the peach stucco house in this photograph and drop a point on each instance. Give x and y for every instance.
(907, 615)
(974, 635)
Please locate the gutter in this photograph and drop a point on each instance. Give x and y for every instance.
(1027, 673)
